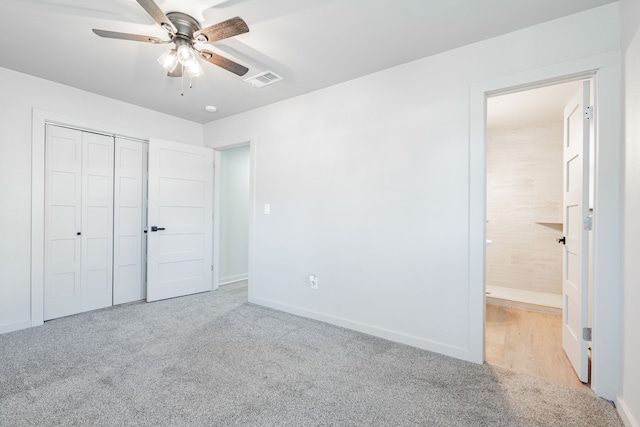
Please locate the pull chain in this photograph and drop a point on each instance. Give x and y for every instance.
(182, 81)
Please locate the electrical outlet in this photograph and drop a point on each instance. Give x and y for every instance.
(313, 281)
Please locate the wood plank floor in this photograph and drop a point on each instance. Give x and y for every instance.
(528, 342)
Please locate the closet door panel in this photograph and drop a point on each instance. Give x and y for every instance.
(128, 270)
(63, 181)
(97, 219)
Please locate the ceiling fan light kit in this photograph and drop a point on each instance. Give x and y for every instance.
(169, 60)
(184, 32)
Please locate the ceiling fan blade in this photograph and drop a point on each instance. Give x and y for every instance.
(127, 36)
(157, 14)
(222, 30)
(177, 72)
(223, 62)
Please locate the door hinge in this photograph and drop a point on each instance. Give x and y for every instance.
(212, 268)
(588, 112)
(587, 224)
(586, 334)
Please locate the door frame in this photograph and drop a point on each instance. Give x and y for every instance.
(217, 153)
(606, 298)
(39, 119)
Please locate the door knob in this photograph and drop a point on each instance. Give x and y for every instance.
(154, 228)
(562, 240)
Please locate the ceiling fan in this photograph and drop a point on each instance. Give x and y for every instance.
(184, 32)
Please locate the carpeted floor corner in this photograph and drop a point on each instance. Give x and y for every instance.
(213, 360)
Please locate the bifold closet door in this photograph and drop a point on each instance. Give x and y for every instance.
(63, 184)
(97, 221)
(129, 221)
(78, 221)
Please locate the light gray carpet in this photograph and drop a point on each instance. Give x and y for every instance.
(211, 359)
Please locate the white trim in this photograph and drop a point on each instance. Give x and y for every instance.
(88, 125)
(435, 346)
(15, 326)
(85, 130)
(37, 218)
(625, 413)
(607, 234)
(607, 341)
(217, 158)
(233, 279)
(253, 153)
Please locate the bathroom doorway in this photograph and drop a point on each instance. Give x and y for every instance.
(524, 256)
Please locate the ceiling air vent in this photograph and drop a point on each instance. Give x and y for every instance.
(263, 79)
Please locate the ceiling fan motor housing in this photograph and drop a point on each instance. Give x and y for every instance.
(185, 25)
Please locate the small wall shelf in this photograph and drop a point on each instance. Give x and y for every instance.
(551, 224)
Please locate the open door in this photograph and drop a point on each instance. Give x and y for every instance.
(180, 220)
(576, 231)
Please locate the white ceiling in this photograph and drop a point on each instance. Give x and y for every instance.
(540, 105)
(311, 43)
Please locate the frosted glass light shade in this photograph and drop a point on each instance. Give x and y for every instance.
(185, 54)
(168, 60)
(194, 69)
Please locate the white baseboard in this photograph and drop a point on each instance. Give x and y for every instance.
(525, 296)
(623, 410)
(232, 279)
(16, 326)
(524, 306)
(435, 346)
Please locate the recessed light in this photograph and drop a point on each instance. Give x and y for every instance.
(210, 109)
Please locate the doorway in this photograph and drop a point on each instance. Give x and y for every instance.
(231, 217)
(604, 69)
(527, 313)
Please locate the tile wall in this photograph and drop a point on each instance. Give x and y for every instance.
(524, 207)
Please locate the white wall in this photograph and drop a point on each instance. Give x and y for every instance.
(629, 399)
(524, 206)
(20, 94)
(368, 183)
(234, 214)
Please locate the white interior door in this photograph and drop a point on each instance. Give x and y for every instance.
(97, 221)
(576, 248)
(128, 225)
(180, 227)
(63, 224)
